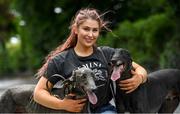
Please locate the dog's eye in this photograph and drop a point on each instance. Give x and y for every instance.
(113, 62)
(84, 76)
(119, 63)
(116, 62)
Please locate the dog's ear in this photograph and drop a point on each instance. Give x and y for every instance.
(124, 53)
(127, 54)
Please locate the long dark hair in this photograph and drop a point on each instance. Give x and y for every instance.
(80, 17)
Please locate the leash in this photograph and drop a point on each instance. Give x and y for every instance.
(55, 75)
(112, 83)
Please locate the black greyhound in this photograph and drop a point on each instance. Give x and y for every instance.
(80, 83)
(150, 97)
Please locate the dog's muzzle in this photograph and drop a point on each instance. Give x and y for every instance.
(117, 71)
(85, 77)
(118, 68)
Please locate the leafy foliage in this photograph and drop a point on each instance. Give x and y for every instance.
(147, 28)
(7, 28)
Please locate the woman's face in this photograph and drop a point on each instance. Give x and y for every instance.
(87, 33)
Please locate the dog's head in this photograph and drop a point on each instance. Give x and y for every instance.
(80, 83)
(121, 62)
(84, 78)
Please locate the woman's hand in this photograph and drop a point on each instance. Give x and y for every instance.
(139, 77)
(131, 84)
(72, 105)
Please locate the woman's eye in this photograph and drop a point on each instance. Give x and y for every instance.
(86, 29)
(95, 30)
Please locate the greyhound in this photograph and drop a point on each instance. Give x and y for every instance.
(15, 99)
(150, 97)
(80, 83)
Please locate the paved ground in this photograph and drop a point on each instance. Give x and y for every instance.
(5, 83)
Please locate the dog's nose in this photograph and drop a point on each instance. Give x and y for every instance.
(93, 87)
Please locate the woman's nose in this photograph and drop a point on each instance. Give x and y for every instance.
(90, 34)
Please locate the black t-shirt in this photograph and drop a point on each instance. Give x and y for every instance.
(65, 62)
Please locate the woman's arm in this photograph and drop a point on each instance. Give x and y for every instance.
(43, 97)
(140, 71)
(139, 77)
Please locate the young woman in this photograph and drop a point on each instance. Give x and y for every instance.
(81, 51)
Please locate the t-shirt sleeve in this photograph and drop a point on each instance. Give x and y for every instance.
(108, 52)
(51, 70)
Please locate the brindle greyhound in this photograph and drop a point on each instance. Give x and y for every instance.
(80, 83)
(149, 97)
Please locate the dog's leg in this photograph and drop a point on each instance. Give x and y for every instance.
(138, 100)
(7, 104)
(134, 102)
(171, 102)
(120, 101)
(159, 84)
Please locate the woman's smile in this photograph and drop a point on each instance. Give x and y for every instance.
(87, 33)
(89, 39)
